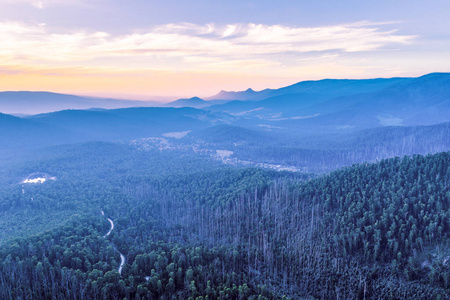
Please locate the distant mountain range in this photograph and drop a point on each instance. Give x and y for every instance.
(333, 87)
(27, 103)
(308, 115)
(336, 104)
(248, 94)
(194, 102)
(69, 126)
(357, 104)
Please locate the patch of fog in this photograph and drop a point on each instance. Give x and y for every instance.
(36, 178)
(235, 161)
(304, 117)
(295, 118)
(277, 167)
(344, 126)
(389, 120)
(268, 116)
(224, 153)
(269, 126)
(176, 135)
(243, 113)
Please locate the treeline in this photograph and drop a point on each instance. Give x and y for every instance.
(366, 232)
(89, 176)
(77, 262)
(325, 153)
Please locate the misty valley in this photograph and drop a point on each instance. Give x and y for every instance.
(328, 189)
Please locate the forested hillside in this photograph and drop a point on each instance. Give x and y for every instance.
(324, 153)
(192, 229)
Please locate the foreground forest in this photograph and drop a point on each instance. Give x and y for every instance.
(193, 228)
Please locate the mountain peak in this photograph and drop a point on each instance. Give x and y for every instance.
(248, 94)
(195, 102)
(195, 98)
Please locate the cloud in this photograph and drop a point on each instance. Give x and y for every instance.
(251, 48)
(181, 40)
(38, 4)
(230, 30)
(41, 4)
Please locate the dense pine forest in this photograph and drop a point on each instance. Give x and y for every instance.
(190, 227)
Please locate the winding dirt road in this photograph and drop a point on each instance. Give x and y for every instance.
(122, 257)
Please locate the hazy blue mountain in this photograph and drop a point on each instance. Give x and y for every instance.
(229, 135)
(42, 102)
(18, 135)
(340, 87)
(331, 87)
(408, 102)
(403, 140)
(248, 94)
(294, 121)
(130, 123)
(323, 153)
(195, 102)
(15, 128)
(25, 136)
(271, 108)
(420, 101)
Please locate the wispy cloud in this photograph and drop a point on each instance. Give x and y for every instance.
(41, 4)
(38, 4)
(20, 42)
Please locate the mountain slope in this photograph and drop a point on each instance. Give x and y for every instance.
(18, 135)
(331, 87)
(228, 135)
(130, 123)
(324, 153)
(195, 102)
(419, 101)
(248, 94)
(273, 107)
(42, 102)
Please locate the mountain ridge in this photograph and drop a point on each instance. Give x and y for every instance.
(35, 102)
(309, 86)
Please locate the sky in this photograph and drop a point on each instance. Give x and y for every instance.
(155, 49)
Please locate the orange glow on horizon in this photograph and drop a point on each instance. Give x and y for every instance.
(137, 86)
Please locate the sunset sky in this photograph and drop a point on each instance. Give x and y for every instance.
(140, 49)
